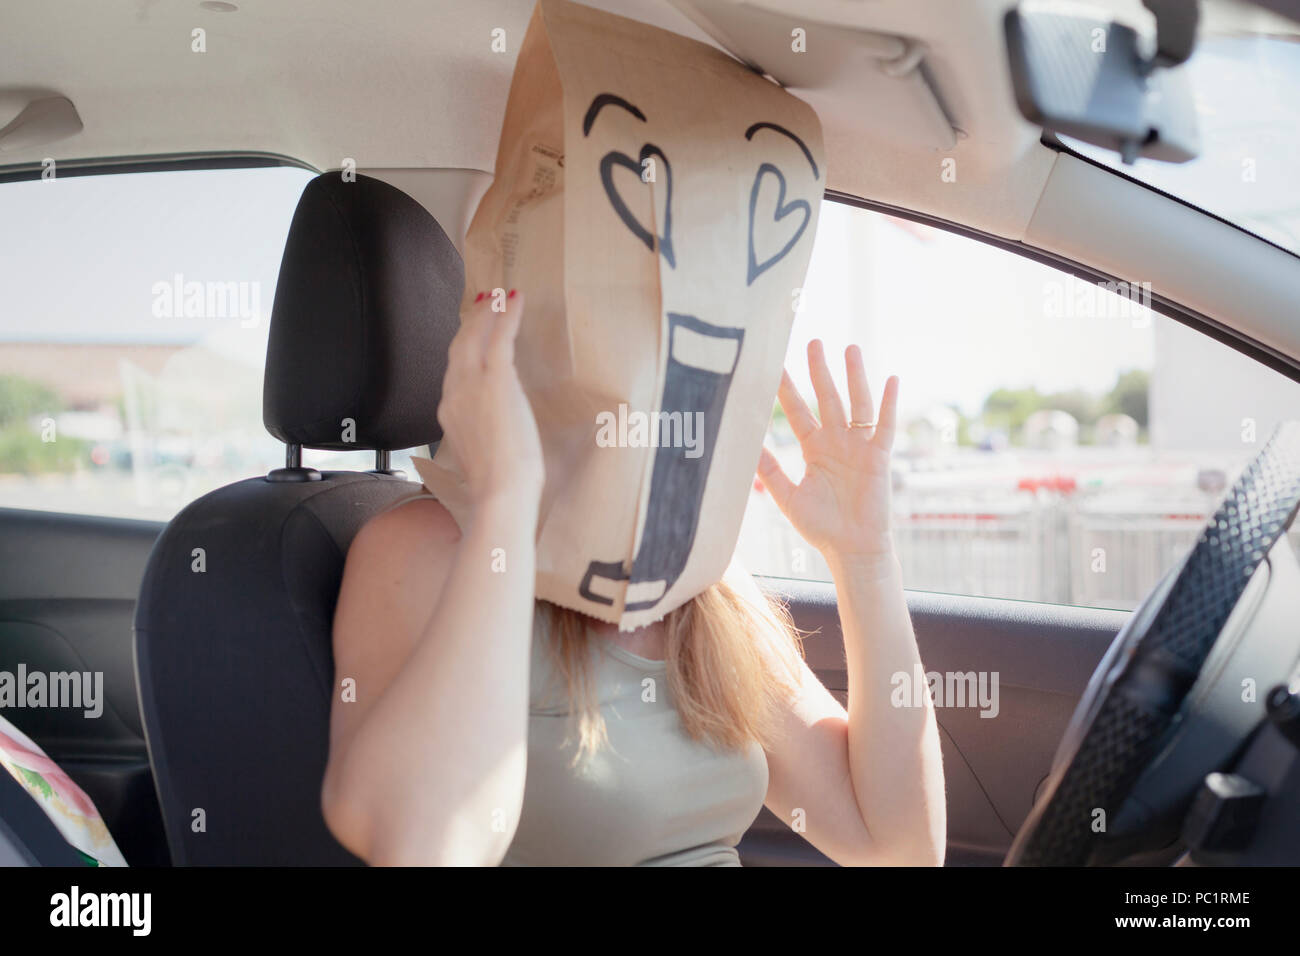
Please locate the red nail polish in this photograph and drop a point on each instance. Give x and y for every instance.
(511, 295)
(479, 297)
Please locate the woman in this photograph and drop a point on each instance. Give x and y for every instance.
(468, 741)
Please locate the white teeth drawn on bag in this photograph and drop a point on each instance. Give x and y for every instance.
(702, 360)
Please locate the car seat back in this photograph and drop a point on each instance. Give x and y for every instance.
(233, 625)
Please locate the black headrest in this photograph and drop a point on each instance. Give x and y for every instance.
(367, 302)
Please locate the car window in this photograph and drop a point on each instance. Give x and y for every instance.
(1058, 441)
(133, 337)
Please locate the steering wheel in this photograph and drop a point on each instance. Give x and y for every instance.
(1166, 706)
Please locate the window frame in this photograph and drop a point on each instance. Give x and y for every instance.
(126, 165)
(155, 163)
(1162, 304)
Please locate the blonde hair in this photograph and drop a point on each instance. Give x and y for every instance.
(732, 654)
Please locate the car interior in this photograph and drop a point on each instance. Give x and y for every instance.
(211, 621)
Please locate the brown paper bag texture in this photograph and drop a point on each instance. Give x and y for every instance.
(656, 202)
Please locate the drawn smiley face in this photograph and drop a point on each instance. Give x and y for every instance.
(704, 356)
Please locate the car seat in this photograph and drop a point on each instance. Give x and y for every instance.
(233, 625)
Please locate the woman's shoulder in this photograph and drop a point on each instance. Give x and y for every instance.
(416, 531)
(419, 518)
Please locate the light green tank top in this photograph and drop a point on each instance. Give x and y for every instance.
(651, 796)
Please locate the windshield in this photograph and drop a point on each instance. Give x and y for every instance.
(1245, 75)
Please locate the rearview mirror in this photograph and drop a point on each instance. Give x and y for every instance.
(1086, 76)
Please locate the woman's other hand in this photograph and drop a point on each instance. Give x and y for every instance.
(842, 504)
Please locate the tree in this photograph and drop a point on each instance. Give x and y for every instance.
(21, 398)
(1082, 407)
(1129, 396)
(22, 450)
(1009, 407)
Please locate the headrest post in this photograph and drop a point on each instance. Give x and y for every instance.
(383, 465)
(293, 469)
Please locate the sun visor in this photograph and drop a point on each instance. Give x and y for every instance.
(38, 120)
(828, 60)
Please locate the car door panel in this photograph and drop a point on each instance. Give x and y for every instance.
(1042, 655)
(68, 586)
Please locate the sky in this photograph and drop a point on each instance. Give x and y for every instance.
(80, 256)
(955, 318)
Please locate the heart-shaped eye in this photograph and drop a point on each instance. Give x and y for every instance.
(783, 209)
(616, 158)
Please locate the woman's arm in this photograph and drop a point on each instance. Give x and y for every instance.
(427, 763)
(869, 781)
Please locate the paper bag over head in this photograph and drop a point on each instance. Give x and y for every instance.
(656, 202)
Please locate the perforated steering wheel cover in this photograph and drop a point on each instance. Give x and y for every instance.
(1120, 734)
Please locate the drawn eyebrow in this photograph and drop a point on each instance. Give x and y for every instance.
(609, 99)
(749, 134)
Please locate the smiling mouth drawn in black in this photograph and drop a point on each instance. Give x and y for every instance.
(702, 360)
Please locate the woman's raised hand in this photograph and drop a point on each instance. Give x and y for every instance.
(841, 506)
(484, 412)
